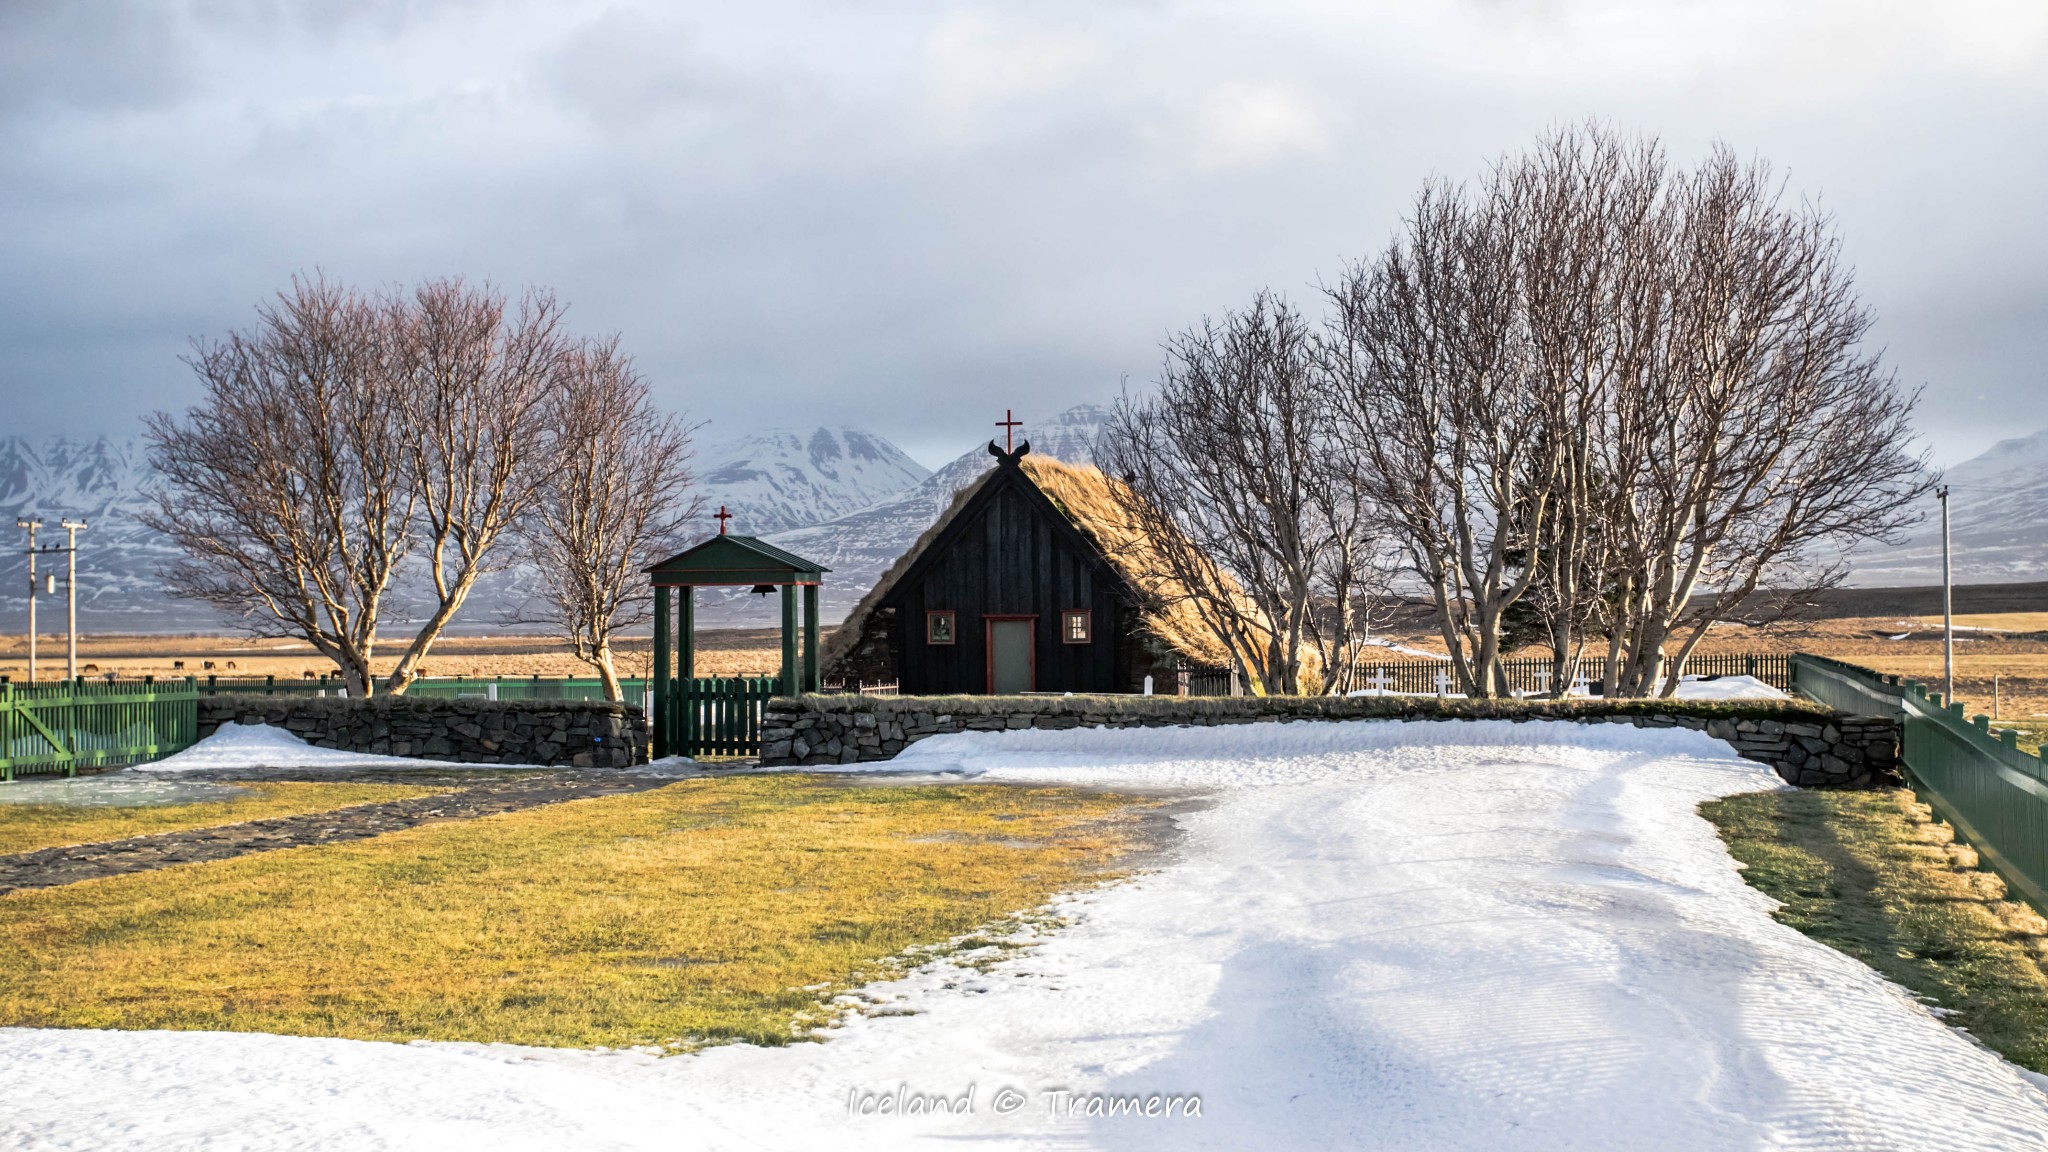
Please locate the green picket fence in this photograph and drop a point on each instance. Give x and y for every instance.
(1847, 687)
(1995, 795)
(720, 715)
(50, 728)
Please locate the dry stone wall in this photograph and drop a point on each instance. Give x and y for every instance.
(581, 734)
(1807, 746)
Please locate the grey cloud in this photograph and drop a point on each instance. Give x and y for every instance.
(90, 55)
(625, 68)
(779, 213)
(321, 18)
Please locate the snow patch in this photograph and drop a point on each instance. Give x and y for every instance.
(253, 747)
(1373, 935)
(1727, 688)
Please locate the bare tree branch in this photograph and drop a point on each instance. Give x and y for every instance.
(1635, 397)
(616, 497)
(287, 488)
(473, 394)
(1229, 472)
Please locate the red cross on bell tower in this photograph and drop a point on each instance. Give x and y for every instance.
(1009, 424)
(722, 516)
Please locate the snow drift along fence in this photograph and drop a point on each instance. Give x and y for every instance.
(1525, 674)
(1995, 795)
(48, 728)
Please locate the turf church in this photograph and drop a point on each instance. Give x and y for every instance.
(1018, 587)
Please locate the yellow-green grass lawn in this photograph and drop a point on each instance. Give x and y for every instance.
(1872, 874)
(708, 910)
(27, 827)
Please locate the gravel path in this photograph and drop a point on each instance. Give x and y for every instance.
(50, 867)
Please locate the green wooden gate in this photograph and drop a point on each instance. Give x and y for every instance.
(47, 728)
(719, 715)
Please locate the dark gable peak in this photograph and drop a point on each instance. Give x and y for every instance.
(1008, 459)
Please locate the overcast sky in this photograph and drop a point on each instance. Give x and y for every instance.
(910, 216)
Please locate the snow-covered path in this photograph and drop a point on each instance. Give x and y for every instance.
(1444, 936)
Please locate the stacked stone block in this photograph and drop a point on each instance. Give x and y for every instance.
(573, 733)
(1805, 746)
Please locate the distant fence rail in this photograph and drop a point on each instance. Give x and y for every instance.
(60, 728)
(1995, 795)
(440, 687)
(860, 688)
(1530, 675)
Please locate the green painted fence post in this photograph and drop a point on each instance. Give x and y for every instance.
(811, 681)
(789, 684)
(657, 724)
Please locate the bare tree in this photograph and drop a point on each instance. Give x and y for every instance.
(1631, 397)
(473, 392)
(1766, 426)
(617, 494)
(1228, 474)
(1434, 369)
(1588, 287)
(288, 488)
(345, 436)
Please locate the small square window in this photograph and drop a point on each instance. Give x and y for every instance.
(938, 627)
(1077, 627)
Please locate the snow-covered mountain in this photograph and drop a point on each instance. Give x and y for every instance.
(107, 482)
(843, 496)
(771, 481)
(1998, 524)
(785, 478)
(860, 546)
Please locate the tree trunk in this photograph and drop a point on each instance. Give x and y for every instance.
(607, 673)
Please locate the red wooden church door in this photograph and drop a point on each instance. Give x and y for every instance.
(1012, 655)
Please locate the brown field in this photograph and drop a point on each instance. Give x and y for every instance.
(2006, 649)
(2001, 657)
(721, 652)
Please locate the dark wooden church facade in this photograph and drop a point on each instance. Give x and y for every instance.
(1005, 595)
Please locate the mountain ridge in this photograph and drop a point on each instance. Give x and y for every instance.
(773, 479)
(1998, 524)
(843, 496)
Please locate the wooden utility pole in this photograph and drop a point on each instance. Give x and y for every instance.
(1948, 617)
(71, 529)
(32, 526)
